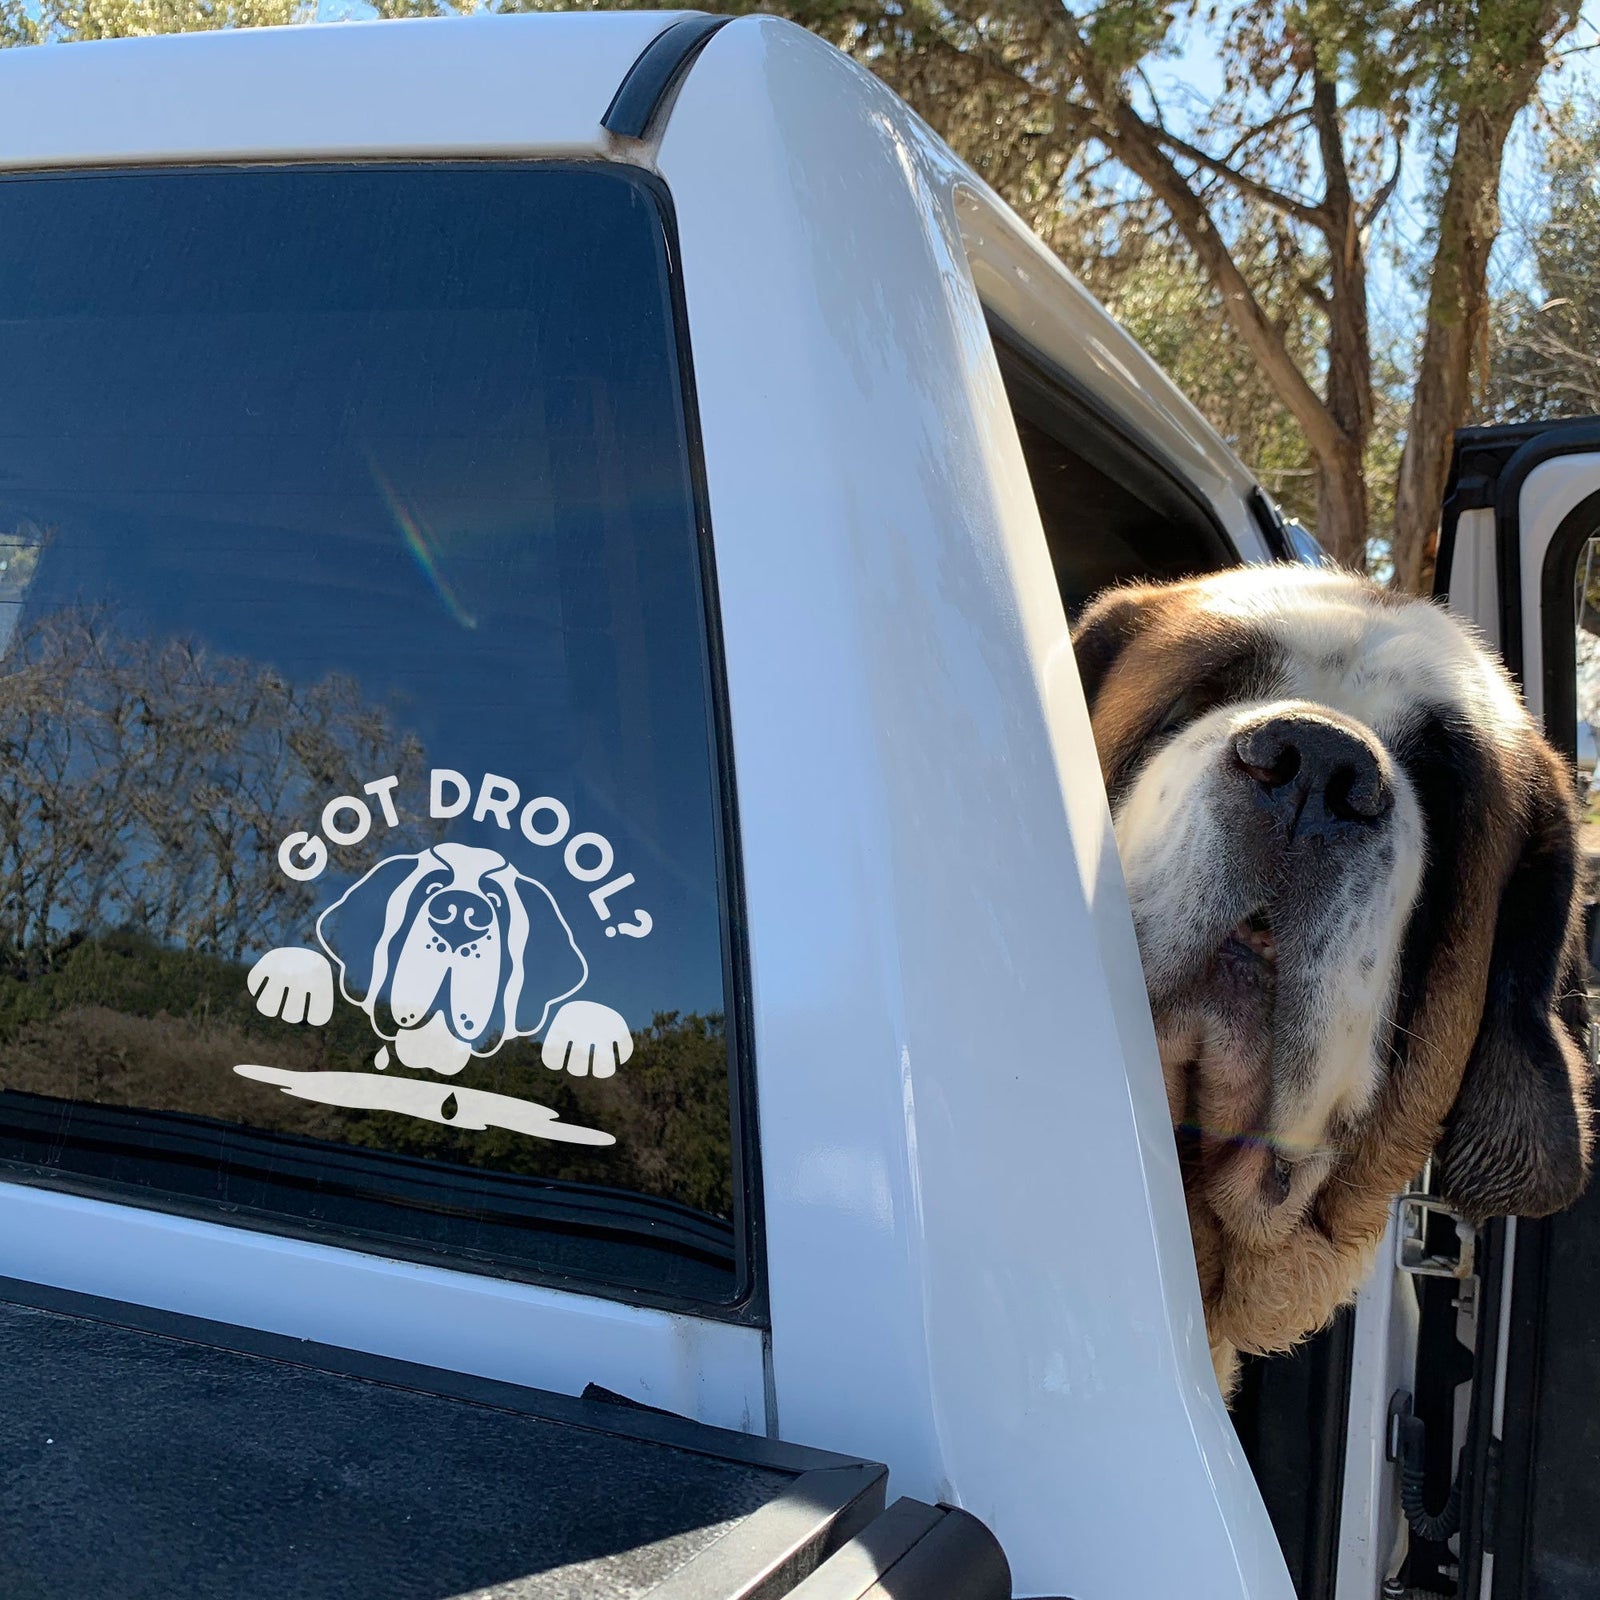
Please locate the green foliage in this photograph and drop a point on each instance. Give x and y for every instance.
(1545, 350)
(1123, 33)
(124, 1020)
(59, 20)
(16, 25)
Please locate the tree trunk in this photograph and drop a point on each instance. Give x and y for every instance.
(1342, 511)
(1458, 305)
(1458, 295)
(1341, 471)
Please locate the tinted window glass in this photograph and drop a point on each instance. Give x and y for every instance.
(363, 863)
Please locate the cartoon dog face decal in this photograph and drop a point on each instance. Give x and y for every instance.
(451, 952)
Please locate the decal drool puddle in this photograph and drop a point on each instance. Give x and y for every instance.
(476, 1109)
(450, 952)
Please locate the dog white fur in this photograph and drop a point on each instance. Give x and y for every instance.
(1331, 946)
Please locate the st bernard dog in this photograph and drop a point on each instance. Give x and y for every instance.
(1354, 872)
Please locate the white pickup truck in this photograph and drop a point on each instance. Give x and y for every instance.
(550, 842)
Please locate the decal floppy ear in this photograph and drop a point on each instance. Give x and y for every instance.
(551, 967)
(355, 930)
(1517, 1141)
(1106, 628)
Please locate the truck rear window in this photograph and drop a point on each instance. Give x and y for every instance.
(363, 860)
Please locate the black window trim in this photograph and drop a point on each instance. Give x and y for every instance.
(748, 1303)
(643, 98)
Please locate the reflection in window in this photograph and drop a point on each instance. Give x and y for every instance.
(362, 871)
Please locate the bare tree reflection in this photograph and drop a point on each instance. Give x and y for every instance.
(147, 784)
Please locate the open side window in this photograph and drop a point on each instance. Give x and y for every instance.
(1111, 511)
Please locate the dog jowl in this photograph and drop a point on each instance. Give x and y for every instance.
(451, 952)
(1352, 863)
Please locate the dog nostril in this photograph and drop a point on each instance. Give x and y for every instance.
(1268, 761)
(1358, 795)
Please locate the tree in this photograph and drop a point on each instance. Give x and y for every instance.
(1545, 349)
(1275, 189)
(1264, 204)
(117, 19)
(1318, 105)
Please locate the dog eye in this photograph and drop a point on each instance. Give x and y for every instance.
(1181, 711)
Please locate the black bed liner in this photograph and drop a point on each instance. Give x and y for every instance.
(146, 1455)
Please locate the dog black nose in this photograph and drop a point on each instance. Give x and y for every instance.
(1313, 775)
(459, 917)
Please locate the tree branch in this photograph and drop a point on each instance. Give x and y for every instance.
(1139, 147)
(1281, 120)
(1314, 293)
(1374, 207)
(1286, 204)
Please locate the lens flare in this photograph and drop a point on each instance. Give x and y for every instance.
(415, 533)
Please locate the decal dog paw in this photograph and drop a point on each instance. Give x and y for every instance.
(582, 1027)
(293, 985)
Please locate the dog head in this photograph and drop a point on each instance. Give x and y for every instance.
(450, 953)
(1353, 868)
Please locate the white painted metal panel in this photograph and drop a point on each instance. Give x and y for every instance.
(1549, 492)
(1383, 1357)
(483, 85)
(1474, 575)
(462, 1322)
(978, 1251)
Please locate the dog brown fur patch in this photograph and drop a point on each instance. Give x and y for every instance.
(1142, 647)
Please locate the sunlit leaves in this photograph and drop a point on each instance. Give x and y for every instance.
(117, 19)
(1546, 335)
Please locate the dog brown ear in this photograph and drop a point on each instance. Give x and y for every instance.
(1517, 1141)
(1107, 626)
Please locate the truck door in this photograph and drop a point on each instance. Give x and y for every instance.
(1511, 1357)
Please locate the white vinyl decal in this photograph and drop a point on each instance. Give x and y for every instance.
(450, 952)
(461, 1108)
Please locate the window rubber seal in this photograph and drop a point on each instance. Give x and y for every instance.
(646, 87)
